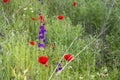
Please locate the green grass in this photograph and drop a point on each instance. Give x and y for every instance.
(18, 55)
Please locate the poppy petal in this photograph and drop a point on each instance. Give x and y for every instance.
(74, 4)
(5, 1)
(60, 17)
(43, 59)
(68, 57)
(32, 42)
(33, 18)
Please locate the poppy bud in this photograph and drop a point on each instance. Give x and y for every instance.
(74, 4)
(46, 65)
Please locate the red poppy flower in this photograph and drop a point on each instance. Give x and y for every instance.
(5, 1)
(60, 17)
(40, 17)
(74, 4)
(43, 60)
(33, 18)
(32, 42)
(68, 57)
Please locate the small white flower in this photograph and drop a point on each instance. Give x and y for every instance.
(30, 8)
(80, 77)
(25, 8)
(23, 14)
(105, 70)
(32, 11)
(92, 76)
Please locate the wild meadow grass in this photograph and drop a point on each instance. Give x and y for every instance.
(18, 59)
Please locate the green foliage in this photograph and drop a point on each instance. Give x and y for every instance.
(16, 55)
(94, 15)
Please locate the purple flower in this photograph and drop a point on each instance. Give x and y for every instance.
(41, 45)
(60, 68)
(56, 70)
(44, 40)
(59, 64)
(42, 31)
(41, 37)
(41, 27)
(96, 63)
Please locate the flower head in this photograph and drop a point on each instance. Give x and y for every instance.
(59, 67)
(41, 45)
(59, 64)
(33, 18)
(96, 63)
(40, 17)
(60, 17)
(41, 37)
(42, 27)
(44, 40)
(43, 59)
(32, 42)
(42, 31)
(5, 1)
(68, 57)
(74, 4)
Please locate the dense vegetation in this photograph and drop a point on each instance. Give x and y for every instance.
(94, 23)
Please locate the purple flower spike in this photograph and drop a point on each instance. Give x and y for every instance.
(43, 30)
(41, 37)
(41, 45)
(41, 27)
(40, 32)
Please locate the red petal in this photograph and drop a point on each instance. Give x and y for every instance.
(32, 42)
(60, 17)
(33, 18)
(67, 57)
(42, 59)
(40, 17)
(74, 4)
(5, 1)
